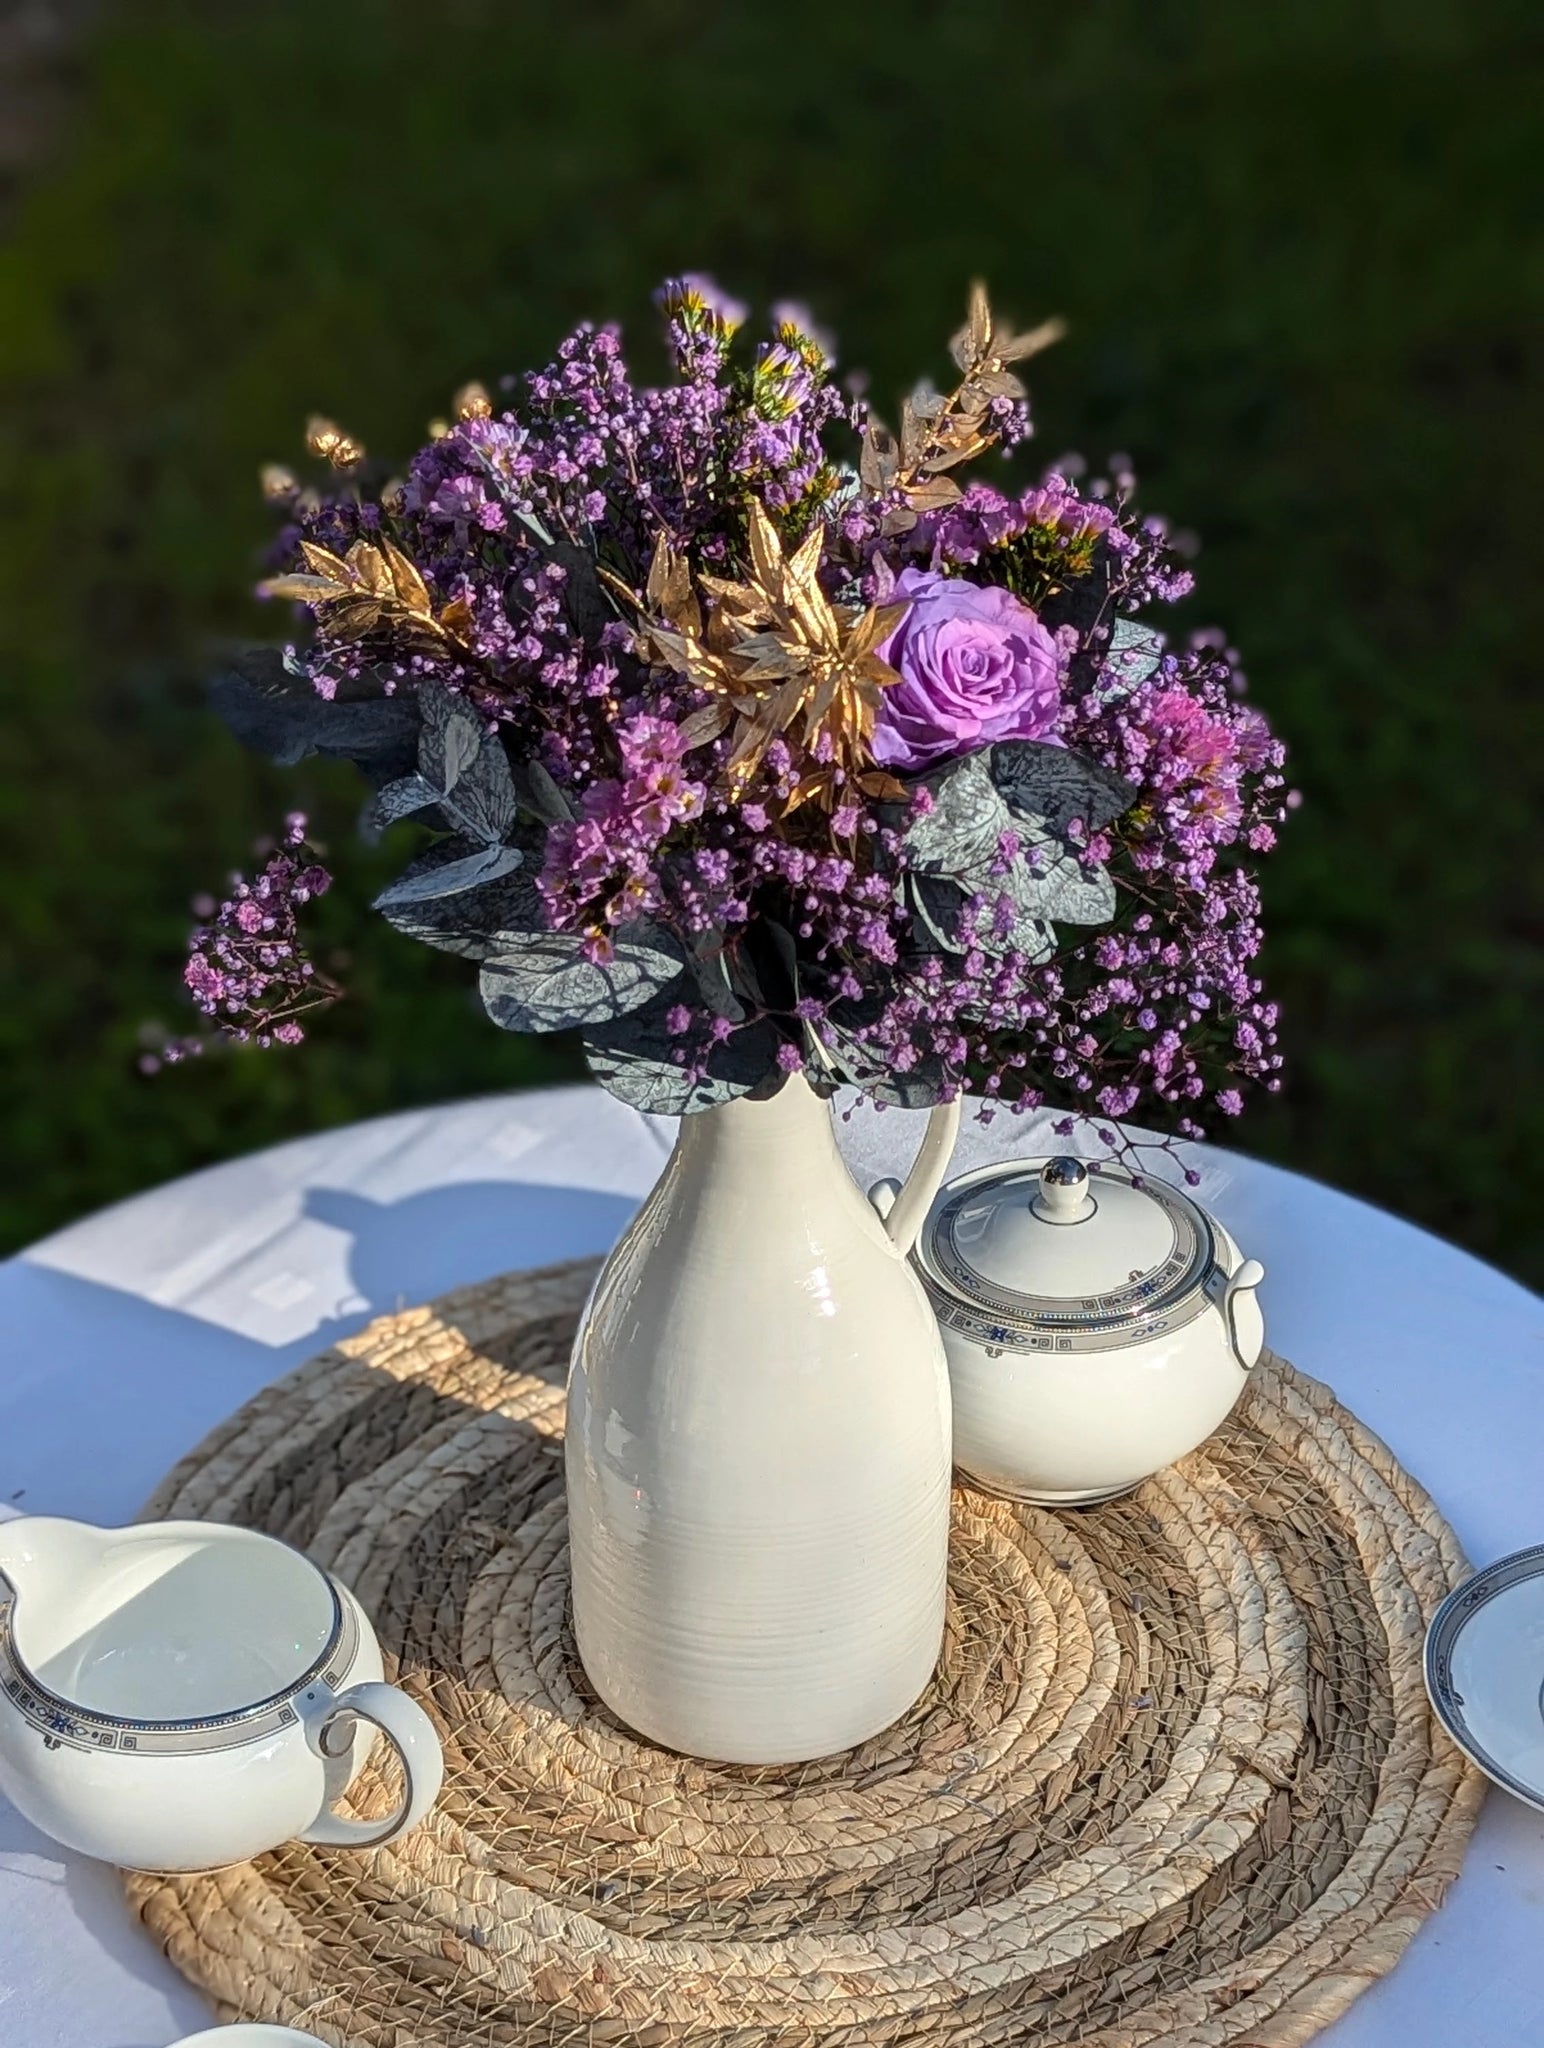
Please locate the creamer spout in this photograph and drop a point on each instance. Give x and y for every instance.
(45, 1552)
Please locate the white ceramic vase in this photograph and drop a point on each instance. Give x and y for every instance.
(758, 1446)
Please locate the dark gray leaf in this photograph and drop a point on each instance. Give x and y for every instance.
(583, 598)
(1133, 653)
(960, 835)
(451, 739)
(710, 967)
(483, 800)
(543, 982)
(466, 766)
(277, 713)
(766, 965)
(918, 1088)
(637, 1060)
(1041, 781)
(530, 519)
(935, 906)
(474, 919)
(1045, 884)
(541, 795)
(422, 881)
(399, 799)
(1049, 881)
(1028, 933)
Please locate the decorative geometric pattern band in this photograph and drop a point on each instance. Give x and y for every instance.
(1168, 1297)
(65, 1724)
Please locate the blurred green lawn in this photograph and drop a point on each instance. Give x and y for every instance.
(1300, 252)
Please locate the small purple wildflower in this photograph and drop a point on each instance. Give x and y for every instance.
(247, 969)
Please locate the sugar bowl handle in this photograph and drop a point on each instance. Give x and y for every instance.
(903, 1205)
(411, 1734)
(1244, 1281)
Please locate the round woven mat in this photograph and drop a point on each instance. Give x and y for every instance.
(1175, 1781)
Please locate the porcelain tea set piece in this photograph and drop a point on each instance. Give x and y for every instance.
(1484, 1663)
(1098, 1325)
(185, 1695)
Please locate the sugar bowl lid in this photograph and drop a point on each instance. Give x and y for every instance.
(1067, 1255)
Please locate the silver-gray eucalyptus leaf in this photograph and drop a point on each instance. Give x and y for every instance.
(1041, 781)
(545, 982)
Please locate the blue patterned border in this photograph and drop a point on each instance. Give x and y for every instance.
(64, 1724)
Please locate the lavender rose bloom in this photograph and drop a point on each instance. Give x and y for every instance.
(975, 665)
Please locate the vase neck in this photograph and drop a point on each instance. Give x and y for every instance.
(783, 1135)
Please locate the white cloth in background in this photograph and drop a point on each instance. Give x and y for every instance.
(125, 1338)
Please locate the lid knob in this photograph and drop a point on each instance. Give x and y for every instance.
(1063, 1196)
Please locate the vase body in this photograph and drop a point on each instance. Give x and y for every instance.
(758, 1448)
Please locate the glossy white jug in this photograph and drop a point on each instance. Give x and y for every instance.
(758, 1446)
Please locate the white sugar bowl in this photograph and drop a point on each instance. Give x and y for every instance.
(1098, 1325)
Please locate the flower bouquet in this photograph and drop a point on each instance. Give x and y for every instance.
(754, 739)
(745, 738)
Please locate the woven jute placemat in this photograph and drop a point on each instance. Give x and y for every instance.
(1175, 1781)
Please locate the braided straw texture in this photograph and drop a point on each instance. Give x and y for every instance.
(1176, 1781)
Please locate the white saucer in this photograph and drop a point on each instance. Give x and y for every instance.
(1485, 1671)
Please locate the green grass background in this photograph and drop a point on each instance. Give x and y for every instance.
(1299, 249)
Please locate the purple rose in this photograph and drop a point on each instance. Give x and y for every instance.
(975, 665)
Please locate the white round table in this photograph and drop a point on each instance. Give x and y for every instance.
(125, 1338)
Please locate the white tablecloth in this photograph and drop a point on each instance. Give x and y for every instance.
(126, 1337)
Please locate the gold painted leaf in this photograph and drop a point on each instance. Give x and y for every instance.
(710, 723)
(932, 493)
(323, 562)
(980, 320)
(368, 567)
(880, 462)
(766, 548)
(785, 705)
(675, 650)
(913, 435)
(805, 793)
(663, 586)
(820, 702)
(407, 582)
(768, 657)
(739, 601)
(322, 435)
(455, 619)
(300, 589)
(352, 618)
(804, 566)
(1032, 341)
(971, 344)
(999, 384)
(876, 623)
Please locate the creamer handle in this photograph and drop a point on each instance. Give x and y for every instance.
(411, 1734)
(903, 1205)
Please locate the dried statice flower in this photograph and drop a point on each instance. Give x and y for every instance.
(247, 968)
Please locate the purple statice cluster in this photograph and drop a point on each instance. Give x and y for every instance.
(603, 868)
(1002, 841)
(247, 967)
